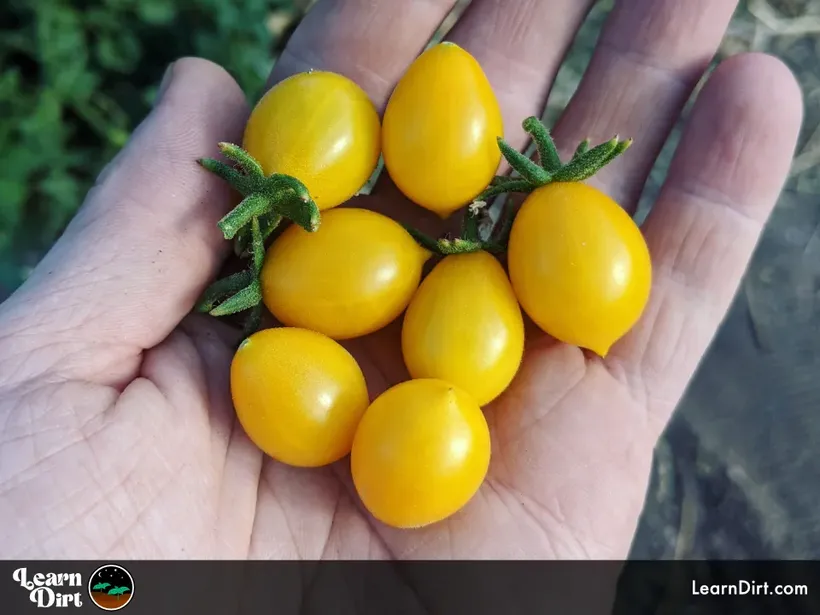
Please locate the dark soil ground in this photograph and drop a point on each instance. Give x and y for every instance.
(110, 602)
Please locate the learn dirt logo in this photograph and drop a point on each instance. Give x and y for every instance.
(51, 589)
(111, 587)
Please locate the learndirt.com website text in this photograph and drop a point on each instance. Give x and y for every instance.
(748, 588)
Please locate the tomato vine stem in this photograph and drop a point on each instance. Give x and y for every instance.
(269, 225)
(267, 202)
(470, 239)
(241, 291)
(222, 289)
(549, 168)
(532, 174)
(275, 195)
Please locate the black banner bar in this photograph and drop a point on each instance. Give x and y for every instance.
(410, 588)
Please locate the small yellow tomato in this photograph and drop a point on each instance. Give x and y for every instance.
(440, 130)
(579, 265)
(299, 395)
(320, 128)
(464, 326)
(352, 277)
(420, 453)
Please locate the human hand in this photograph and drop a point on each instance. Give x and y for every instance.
(118, 435)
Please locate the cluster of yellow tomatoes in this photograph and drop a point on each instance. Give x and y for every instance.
(578, 266)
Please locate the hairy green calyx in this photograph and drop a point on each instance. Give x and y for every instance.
(275, 196)
(268, 201)
(532, 175)
(549, 169)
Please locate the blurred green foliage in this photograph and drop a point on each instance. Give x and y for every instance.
(78, 75)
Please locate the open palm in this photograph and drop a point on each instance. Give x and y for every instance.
(118, 434)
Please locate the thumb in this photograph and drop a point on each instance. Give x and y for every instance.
(133, 261)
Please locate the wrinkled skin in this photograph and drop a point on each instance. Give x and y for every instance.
(117, 434)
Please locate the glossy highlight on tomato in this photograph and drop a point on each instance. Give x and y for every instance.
(321, 128)
(440, 130)
(420, 453)
(464, 325)
(299, 395)
(353, 276)
(579, 265)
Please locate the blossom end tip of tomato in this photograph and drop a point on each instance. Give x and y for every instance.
(601, 350)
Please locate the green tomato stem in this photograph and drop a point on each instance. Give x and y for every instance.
(428, 243)
(447, 247)
(221, 289)
(298, 208)
(585, 162)
(237, 180)
(249, 209)
(526, 168)
(508, 185)
(267, 202)
(268, 223)
(241, 291)
(258, 245)
(583, 148)
(245, 299)
(588, 164)
(245, 161)
(275, 195)
(547, 151)
(470, 240)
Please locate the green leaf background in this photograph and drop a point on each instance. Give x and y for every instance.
(76, 77)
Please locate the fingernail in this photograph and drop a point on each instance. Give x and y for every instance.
(166, 81)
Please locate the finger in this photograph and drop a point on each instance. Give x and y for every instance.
(723, 183)
(135, 258)
(649, 58)
(371, 43)
(520, 44)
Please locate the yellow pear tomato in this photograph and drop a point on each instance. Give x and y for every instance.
(420, 453)
(464, 326)
(353, 276)
(440, 128)
(579, 265)
(321, 128)
(299, 395)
